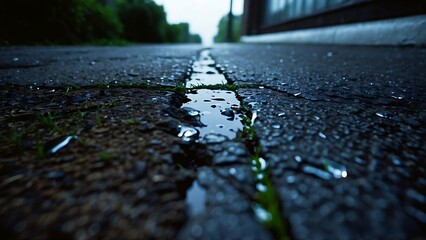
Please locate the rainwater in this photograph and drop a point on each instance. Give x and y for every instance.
(216, 110)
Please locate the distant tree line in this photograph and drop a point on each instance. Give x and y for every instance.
(223, 27)
(88, 21)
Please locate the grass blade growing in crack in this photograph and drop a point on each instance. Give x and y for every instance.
(267, 206)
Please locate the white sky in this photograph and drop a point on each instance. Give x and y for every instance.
(203, 16)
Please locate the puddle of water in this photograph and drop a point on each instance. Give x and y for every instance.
(217, 111)
(330, 171)
(317, 172)
(57, 144)
(195, 199)
(204, 72)
(188, 134)
(261, 214)
(338, 171)
(198, 79)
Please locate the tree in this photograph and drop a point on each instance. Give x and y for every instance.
(88, 21)
(195, 38)
(222, 27)
(56, 21)
(179, 33)
(143, 21)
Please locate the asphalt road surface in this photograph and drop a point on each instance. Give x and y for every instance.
(95, 143)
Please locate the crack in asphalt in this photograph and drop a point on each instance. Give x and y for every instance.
(265, 202)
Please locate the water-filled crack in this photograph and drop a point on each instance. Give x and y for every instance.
(222, 118)
(216, 110)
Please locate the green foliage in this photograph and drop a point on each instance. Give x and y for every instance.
(98, 120)
(195, 38)
(56, 21)
(102, 22)
(223, 86)
(132, 122)
(17, 138)
(105, 156)
(39, 147)
(179, 33)
(111, 42)
(222, 29)
(48, 121)
(143, 21)
(88, 21)
(178, 88)
(248, 130)
(267, 199)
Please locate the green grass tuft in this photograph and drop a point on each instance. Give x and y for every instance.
(132, 122)
(49, 121)
(105, 156)
(268, 199)
(17, 138)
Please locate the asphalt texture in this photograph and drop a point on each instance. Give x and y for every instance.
(342, 130)
(325, 110)
(89, 66)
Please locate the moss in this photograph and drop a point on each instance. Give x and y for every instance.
(105, 156)
(98, 119)
(132, 122)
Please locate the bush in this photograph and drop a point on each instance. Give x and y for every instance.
(56, 21)
(101, 22)
(179, 33)
(143, 21)
(88, 21)
(222, 29)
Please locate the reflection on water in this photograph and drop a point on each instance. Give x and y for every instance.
(217, 111)
(196, 198)
(204, 72)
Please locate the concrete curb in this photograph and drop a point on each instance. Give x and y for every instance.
(406, 31)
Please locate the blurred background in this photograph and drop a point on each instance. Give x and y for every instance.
(117, 22)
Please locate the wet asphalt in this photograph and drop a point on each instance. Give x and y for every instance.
(342, 130)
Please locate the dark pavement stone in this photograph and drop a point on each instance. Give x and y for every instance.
(342, 128)
(126, 174)
(389, 76)
(228, 213)
(324, 111)
(352, 170)
(119, 179)
(90, 66)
